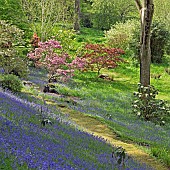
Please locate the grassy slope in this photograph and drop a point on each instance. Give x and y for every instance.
(102, 98)
(126, 78)
(99, 98)
(125, 82)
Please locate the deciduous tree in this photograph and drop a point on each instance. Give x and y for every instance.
(44, 14)
(108, 12)
(146, 10)
(98, 56)
(77, 16)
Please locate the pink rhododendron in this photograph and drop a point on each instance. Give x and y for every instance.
(49, 56)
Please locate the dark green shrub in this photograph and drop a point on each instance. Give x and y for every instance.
(11, 82)
(19, 68)
(159, 40)
(86, 20)
(12, 57)
(148, 107)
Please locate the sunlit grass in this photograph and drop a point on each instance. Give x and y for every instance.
(107, 101)
(89, 35)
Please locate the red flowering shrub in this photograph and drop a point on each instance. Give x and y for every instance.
(97, 56)
(35, 40)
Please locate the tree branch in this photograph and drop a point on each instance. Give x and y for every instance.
(138, 4)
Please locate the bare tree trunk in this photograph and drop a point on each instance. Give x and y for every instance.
(42, 20)
(146, 14)
(77, 16)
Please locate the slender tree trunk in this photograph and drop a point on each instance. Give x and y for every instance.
(42, 20)
(146, 15)
(77, 16)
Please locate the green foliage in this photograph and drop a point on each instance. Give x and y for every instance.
(11, 82)
(161, 12)
(160, 37)
(66, 37)
(11, 10)
(148, 107)
(120, 155)
(19, 66)
(107, 12)
(122, 34)
(161, 153)
(167, 70)
(43, 15)
(12, 49)
(103, 14)
(86, 17)
(86, 20)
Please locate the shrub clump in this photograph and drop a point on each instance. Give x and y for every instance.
(98, 56)
(148, 107)
(11, 82)
(122, 34)
(127, 36)
(159, 42)
(12, 50)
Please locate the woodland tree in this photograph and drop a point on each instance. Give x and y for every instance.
(11, 10)
(77, 16)
(161, 12)
(146, 10)
(44, 14)
(108, 12)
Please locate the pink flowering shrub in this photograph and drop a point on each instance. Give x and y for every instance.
(49, 55)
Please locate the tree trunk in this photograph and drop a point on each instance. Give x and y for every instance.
(42, 20)
(146, 15)
(77, 16)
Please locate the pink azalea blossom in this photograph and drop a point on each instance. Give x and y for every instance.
(55, 61)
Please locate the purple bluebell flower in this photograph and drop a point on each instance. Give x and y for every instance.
(59, 146)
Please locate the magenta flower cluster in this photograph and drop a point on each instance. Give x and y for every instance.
(49, 55)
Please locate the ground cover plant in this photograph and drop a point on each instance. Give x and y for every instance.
(106, 101)
(35, 127)
(26, 144)
(109, 101)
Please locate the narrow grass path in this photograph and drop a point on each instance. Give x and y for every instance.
(97, 128)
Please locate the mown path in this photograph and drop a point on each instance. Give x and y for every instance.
(97, 128)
